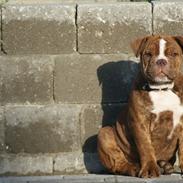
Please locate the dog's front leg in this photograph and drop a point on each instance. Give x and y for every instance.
(149, 167)
(180, 152)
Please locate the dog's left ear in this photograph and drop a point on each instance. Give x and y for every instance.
(138, 45)
(179, 40)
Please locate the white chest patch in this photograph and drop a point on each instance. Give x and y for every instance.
(167, 101)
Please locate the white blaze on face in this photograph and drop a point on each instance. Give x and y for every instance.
(162, 46)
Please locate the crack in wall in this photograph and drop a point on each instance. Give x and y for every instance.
(53, 165)
(81, 127)
(76, 24)
(1, 41)
(152, 20)
(53, 75)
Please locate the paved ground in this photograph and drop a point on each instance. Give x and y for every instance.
(91, 178)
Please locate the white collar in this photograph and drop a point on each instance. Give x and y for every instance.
(168, 86)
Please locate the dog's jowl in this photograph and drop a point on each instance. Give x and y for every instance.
(149, 132)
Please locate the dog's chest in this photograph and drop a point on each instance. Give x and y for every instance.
(166, 101)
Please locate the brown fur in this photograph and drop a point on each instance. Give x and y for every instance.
(138, 145)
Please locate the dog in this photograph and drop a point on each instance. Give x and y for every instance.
(149, 132)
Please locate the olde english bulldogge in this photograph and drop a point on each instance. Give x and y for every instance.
(149, 132)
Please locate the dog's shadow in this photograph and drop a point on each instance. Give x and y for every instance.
(116, 79)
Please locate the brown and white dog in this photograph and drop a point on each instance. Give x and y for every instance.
(148, 133)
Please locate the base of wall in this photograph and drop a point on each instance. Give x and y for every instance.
(50, 164)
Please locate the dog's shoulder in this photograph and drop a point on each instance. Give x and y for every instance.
(178, 86)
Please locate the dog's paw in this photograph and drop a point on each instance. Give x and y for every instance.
(149, 170)
(166, 167)
(181, 169)
(133, 170)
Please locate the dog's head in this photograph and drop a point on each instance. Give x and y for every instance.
(160, 57)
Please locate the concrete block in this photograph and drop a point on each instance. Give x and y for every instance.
(126, 179)
(42, 129)
(63, 1)
(26, 79)
(92, 118)
(2, 129)
(173, 178)
(90, 178)
(31, 179)
(69, 162)
(25, 165)
(93, 78)
(168, 18)
(2, 1)
(91, 121)
(109, 28)
(39, 28)
(77, 162)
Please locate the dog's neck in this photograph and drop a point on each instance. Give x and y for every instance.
(158, 87)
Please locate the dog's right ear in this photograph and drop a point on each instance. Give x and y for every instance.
(138, 45)
(179, 40)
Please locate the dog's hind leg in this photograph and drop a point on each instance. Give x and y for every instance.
(112, 156)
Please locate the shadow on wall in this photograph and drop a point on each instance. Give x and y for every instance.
(116, 80)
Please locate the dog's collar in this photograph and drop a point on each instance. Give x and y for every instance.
(162, 87)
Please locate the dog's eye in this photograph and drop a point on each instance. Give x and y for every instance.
(174, 54)
(148, 54)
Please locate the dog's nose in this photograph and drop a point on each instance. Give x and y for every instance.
(161, 62)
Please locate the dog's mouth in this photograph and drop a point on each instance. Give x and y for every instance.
(162, 77)
(159, 77)
(160, 81)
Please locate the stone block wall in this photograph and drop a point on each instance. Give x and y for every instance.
(66, 70)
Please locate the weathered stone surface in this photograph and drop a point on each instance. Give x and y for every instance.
(64, 1)
(2, 129)
(1, 47)
(26, 79)
(23, 165)
(2, 1)
(32, 179)
(62, 163)
(168, 18)
(91, 122)
(109, 28)
(69, 162)
(39, 29)
(93, 117)
(174, 178)
(90, 178)
(42, 129)
(127, 179)
(78, 162)
(93, 78)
